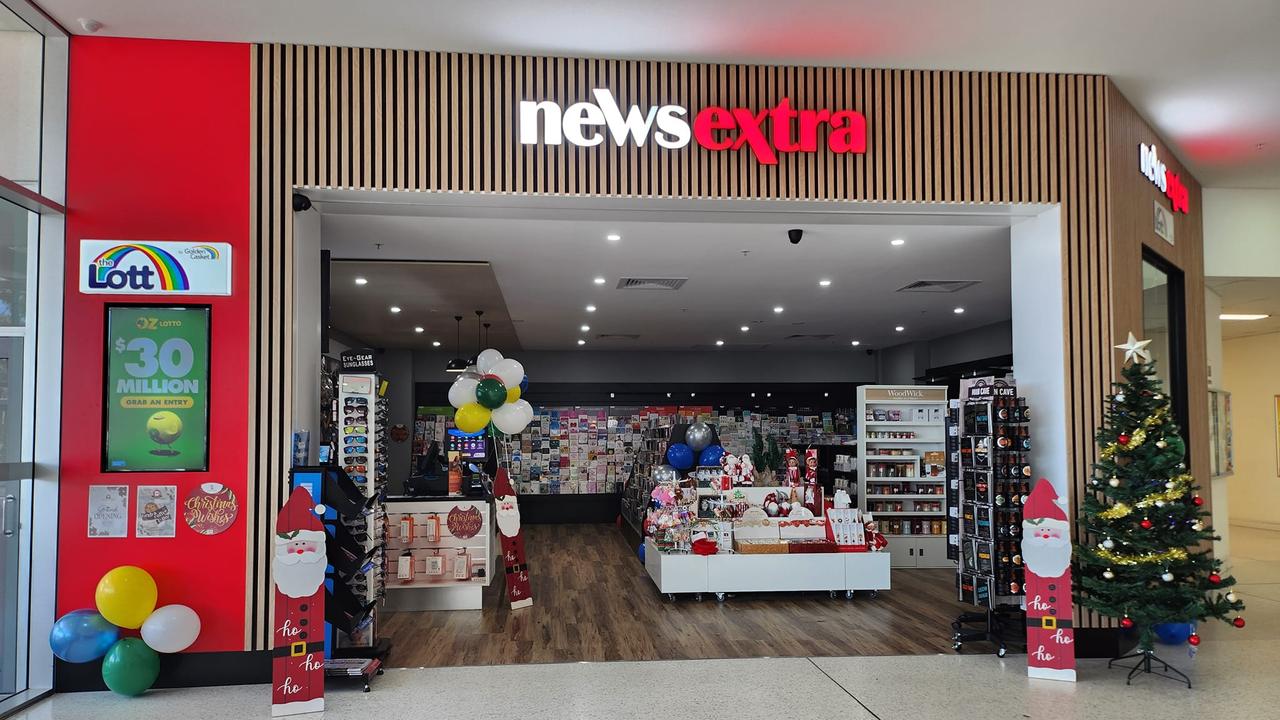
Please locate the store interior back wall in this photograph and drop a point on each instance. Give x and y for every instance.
(1249, 375)
(157, 148)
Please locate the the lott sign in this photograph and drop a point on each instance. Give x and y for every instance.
(766, 133)
(153, 268)
(1164, 178)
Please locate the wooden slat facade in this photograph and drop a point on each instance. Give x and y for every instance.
(427, 121)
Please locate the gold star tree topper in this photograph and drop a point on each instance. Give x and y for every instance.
(1135, 350)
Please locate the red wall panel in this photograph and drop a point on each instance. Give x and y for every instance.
(157, 149)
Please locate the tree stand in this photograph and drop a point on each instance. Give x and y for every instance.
(1143, 665)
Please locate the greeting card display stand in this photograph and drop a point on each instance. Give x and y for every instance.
(994, 483)
(353, 580)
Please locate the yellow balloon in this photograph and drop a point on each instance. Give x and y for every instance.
(472, 417)
(126, 595)
(513, 394)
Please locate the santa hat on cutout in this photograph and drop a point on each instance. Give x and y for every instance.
(1043, 504)
(298, 521)
(502, 484)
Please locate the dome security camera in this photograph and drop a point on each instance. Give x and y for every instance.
(794, 235)
(301, 203)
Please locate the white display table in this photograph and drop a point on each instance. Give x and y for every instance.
(720, 574)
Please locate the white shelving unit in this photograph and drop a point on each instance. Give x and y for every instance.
(905, 488)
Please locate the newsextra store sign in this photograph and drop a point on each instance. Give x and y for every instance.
(766, 132)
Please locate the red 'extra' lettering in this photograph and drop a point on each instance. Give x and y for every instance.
(1178, 194)
(708, 123)
(781, 129)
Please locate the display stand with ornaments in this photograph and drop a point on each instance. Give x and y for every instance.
(720, 532)
(1144, 552)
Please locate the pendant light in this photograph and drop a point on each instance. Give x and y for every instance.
(479, 347)
(457, 364)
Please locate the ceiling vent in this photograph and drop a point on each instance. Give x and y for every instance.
(808, 337)
(937, 286)
(630, 283)
(617, 336)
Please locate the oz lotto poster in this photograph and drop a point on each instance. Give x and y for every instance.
(157, 394)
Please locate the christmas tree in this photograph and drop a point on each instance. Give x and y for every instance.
(1145, 553)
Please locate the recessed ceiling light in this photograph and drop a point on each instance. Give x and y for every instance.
(719, 343)
(598, 281)
(591, 308)
(899, 329)
(753, 394)
(826, 394)
(613, 237)
(744, 328)
(768, 394)
(395, 308)
(693, 394)
(611, 396)
(668, 394)
(958, 311)
(777, 309)
(897, 242)
(586, 328)
(362, 281)
(856, 343)
(824, 283)
(435, 343)
(582, 342)
(419, 329)
(1242, 316)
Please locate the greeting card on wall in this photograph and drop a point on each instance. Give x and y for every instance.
(210, 508)
(155, 511)
(108, 511)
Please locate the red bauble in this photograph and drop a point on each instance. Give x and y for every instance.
(1126, 623)
(1123, 439)
(1197, 500)
(1215, 578)
(1238, 622)
(1194, 639)
(1146, 524)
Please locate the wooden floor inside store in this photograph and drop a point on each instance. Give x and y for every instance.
(594, 602)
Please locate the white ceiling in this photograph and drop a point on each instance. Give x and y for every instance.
(1206, 74)
(1256, 296)
(737, 273)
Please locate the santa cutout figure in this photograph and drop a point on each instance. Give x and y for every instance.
(297, 662)
(507, 512)
(1046, 556)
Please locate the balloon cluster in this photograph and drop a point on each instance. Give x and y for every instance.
(489, 392)
(696, 447)
(125, 598)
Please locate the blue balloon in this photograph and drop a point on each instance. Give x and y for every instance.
(640, 552)
(524, 384)
(680, 456)
(1172, 633)
(82, 636)
(710, 455)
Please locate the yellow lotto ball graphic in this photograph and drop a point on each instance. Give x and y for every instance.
(164, 427)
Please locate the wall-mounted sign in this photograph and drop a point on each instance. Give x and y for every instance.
(1162, 177)
(1163, 223)
(155, 268)
(767, 132)
(210, 508)
(156, 409)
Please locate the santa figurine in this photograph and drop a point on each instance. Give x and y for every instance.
(729, 472)
(812, 493)
(297, 660)
(507, 514)
(875, 539)
(792, 464)
(747, 471)
(1046, 557)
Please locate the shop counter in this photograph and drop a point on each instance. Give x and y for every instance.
(678, 573)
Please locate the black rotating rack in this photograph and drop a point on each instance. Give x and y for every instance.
(995, 479)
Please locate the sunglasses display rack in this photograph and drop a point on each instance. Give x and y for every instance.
(995, 479)
(361, 440)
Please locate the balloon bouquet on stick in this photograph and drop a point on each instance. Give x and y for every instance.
(490, 398)
(125, 598)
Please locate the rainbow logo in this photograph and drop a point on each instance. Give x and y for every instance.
(171, 274)
(213, 252)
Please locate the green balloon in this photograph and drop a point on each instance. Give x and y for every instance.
(491, 393)
(130, 667)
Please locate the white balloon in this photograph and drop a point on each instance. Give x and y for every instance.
(171, 628)
(509, 371)
(487, 359)
(510, 418)
(463, 391)
(525, 408)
